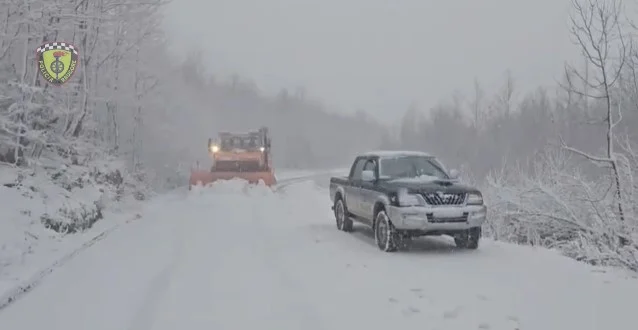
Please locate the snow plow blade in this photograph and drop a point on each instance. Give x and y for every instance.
(203, 178)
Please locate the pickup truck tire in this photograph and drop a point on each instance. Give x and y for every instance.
(469, 239)
(344, 223)
(385, 235)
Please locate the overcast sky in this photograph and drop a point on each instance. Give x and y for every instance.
(378, 55)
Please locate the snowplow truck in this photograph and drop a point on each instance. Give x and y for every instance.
(238, 155)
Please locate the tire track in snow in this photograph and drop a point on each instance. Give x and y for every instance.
(12, 295)
(145, 317)
(272, 261)
(283, 184)
(228, 282)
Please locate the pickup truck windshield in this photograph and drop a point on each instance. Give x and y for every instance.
(411, 167)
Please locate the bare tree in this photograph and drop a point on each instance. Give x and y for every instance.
(504, 101)
(477, 104)
(597, 30)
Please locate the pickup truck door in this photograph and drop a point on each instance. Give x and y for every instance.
(353, 190)
(367, 192)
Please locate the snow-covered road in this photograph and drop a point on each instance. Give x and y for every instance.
(235, 257)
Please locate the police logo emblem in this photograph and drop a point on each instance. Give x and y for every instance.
(57, 62)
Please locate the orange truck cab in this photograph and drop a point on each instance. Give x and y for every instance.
(238, 155)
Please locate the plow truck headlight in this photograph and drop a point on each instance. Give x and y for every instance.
(214, 148)
(262, 149)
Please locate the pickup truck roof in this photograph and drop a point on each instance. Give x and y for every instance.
(392, 153)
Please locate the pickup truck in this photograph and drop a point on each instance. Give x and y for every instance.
(406, 194)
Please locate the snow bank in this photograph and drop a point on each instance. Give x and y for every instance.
(50, 210)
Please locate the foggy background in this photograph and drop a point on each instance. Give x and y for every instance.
(377, 56)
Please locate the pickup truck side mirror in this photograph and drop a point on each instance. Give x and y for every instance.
(454, 174)
(368, 176)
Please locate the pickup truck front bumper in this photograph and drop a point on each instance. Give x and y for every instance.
(437, 218)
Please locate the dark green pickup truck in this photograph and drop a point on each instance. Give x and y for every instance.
(405, 194)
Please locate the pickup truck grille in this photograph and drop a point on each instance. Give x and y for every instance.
(445, 198)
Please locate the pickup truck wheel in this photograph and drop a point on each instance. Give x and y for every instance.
(385, 235)
(469, 239)
(341, 216)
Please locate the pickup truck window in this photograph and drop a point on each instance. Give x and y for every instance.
(370, 165)
(358, 168)
(410, 167)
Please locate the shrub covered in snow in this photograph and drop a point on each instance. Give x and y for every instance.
(69, 198)
(556, 206)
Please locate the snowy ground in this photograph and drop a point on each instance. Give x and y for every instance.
(233, 257)
(28, 250)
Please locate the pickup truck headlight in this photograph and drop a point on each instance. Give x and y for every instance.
(474, 199)
(403, 198)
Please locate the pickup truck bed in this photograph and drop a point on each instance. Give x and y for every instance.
(335, 183)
